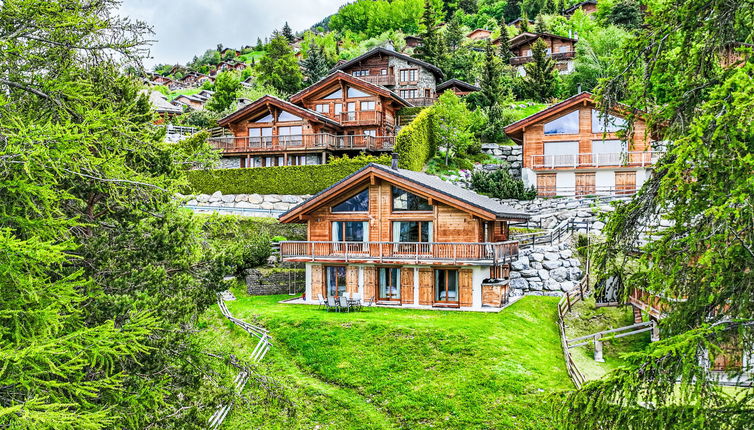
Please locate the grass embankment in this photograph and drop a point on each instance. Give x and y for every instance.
(586, 319)
(398, 368)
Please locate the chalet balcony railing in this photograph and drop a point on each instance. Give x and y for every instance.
(588, 191)
(483, 253)
(558, 56)
(321, 141)
(422, 101)
(618, 159)
(368, 117)
(385, 80)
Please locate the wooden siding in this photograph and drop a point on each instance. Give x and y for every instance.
(352, 279)
(318, 280)
(407, 285)
(426, 286)
(370, 282)
(465, 286)
(493, 295)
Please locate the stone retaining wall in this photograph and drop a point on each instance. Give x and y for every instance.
(512, 155)
(545, 270)
(274, 202)
(286, 280)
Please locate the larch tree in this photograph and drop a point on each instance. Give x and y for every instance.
(690, 69)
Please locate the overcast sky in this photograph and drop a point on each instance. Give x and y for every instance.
(185, 28)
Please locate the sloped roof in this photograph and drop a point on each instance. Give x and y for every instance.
(477, 30)
(280, 103)
(445, 192)
(529, 37)
(458, 83)
(161, 104)
(353, 80)
(384, 51)
(573, 8)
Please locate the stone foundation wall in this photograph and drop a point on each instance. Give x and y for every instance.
(266, 281)
(274, 202)
(545, 270)
(512, 155)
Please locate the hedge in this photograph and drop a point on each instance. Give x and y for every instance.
(296, 180)
(416, 143)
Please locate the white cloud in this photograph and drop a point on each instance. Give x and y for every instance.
(184, 28)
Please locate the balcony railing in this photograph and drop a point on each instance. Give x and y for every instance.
(422, 101)
(558, 56)
(588, 191)
(321, 141)
(483, 253)
(386, 80)
(367, 117)
(621, 159)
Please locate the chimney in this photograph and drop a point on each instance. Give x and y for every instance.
(389, 45)
(394, 164)
(579, 90)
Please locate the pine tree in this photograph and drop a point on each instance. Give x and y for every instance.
(279, 68)
(504, 50)
(287, 32)
(226, 91)
(524, 27)
(540, 26)
(490, 80)
(512, 10)
(454, 34)
(316, 65)
(259, 45)
(431, 48)
(469, 6)
(541, 77)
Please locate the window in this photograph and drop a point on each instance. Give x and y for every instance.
(368, 105)
(412, 231)
(258, 135)
(338, 108)
(360, 73)
(613, 124)
(266, 118)
(408, 94)
(390, 283)
(526, 53)
(383, 72)
(287, 116)
(408, 75)
(322, 108)
(566, 124)
(405, 201)
(446, 285)
(563, 48)
(350, 231)
(357, 203)
(372, 133)
(353, 92)
(338, 94)
(336, 281)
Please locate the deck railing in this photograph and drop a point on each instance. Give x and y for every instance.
(558, 56)
(623, 159)
(320, 141)
(484, 253)
(386, 80)
(364, 117)
(422, 101)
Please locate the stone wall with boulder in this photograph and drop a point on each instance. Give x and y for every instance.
(547, 270)
(263, 202)
(511, 155)
(285, 279)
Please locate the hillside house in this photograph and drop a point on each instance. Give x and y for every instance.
(404, 238)
(570, 149)
(559, 48)
(340, 114)
(413, 41)
(479, 34)
(195, 79)
(588, 7)
(460, 88)
(162, 106)
(194, 101)
(412, 79)
(225, 52)
(518, 21)
(224, 66)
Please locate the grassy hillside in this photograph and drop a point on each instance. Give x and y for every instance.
(396, 368)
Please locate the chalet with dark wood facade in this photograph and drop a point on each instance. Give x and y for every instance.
(404, 238)
(588, 7)
(559, 48)
(570, 148)
(340, 114)
(479, 34)
(412, 79)
(460, 88)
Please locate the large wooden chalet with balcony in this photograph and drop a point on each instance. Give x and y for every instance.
(412, 79)
(340, 114)
(561, 49)
(570, 149)
(404, 238)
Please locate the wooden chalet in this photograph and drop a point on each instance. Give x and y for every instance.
(518, 22)
(413, 41)
(404, 238)
(460, 88)
(479, 34)
(194, 101)
(588, 7)
(412, 79)
(569, 148)
(235, 52)
(559, 48)
(162, 107)
(194, 79)
(340, 114)
(227, 66)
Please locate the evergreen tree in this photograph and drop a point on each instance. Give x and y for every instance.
(468, 6)
(626, 14)
(504, 49)
(541, 78)
(287, 32)
(524, 26)
(316, 65)
(454, 34)
(540, 26)
(490, 80)
(512, 10)
(259, 44)
(226, 92)
(279, 68)
(431, 47)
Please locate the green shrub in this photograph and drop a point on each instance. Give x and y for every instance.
(500, 184)
(362, 158)
(416, 143)
(295, 180)
(279, 238)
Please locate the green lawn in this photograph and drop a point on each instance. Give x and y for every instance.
(396, 368)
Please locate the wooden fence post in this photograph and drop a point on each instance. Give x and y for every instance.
(598, 349)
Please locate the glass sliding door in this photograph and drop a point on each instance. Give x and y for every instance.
(446, 286)
(413, 236)
(336, 281)
(390, 283)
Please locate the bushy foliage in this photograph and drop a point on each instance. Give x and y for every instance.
(295, 180)
(362, 158)
(416, 143)
(376, 17)
(279, 68)
(452, 126)
(500, 184)
(226, 90)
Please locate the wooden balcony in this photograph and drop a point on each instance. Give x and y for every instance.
(483, 253)
(558, 56)
(595, 160)
(301, 142)
(369, 117)
(422, 101)
(384, 80)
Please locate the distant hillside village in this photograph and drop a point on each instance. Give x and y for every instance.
(478, 97)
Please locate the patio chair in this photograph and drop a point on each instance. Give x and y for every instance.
(331, 304)
(322, 302)
(344, 304)
(356, 297)
(369, 301)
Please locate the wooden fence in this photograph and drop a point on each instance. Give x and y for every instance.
(564, 307)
